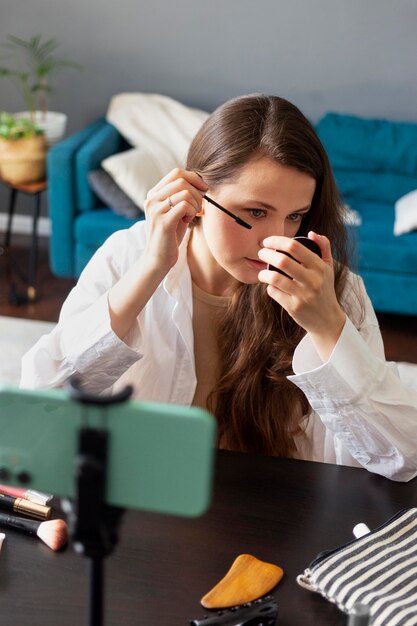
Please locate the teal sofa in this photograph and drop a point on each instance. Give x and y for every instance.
(374, 162)
(80, 223)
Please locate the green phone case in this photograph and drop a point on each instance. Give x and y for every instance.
(160, 456)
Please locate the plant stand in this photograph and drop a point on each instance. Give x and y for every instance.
(34, 190)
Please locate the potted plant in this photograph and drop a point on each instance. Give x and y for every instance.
(34, 63)
(22, 150)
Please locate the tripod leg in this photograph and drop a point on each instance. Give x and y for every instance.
(96, 591)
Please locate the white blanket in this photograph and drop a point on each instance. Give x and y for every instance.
(160, 129)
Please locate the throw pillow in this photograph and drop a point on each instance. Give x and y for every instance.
(110, 193)
(135, 172)
(406, 213)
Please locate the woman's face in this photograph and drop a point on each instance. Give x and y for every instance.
(272, 198)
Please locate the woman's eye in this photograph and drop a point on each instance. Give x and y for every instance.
(257, 213)
(295, 217)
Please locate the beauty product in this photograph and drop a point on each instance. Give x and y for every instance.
(53, 533)
(360, 530)
(29, 494)
(2, 538)
(247, 579)
(229, 213)
(262, 612)
(307, 243)
(25, 507)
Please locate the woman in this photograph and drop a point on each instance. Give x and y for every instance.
(185, 307)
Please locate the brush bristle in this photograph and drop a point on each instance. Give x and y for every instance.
(54, 533)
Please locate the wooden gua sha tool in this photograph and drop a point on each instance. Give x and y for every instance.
(248, 579)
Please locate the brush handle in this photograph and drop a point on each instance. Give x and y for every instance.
(28, 526)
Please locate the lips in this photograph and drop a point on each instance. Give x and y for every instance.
(256, 264)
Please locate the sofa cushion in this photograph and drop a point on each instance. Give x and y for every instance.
(372, 145)
(377, 246)
(384, 187)
(108, 192)
(92, 228)
(135, 171)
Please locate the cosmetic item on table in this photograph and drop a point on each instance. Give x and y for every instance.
(247, 579)
(307, 243)
(39, 497)
(360, 530)
(377, 570)
(262, 612)
(54, 533)
(2, 538)
(25, 507)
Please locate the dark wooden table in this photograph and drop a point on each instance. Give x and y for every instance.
(282, 511)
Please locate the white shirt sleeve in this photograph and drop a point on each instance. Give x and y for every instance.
(83, 342)
(361, 400)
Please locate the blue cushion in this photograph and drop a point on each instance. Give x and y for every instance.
(92, 228)
(392, 293)
(378, 248)
(384, 187)
(371, 145)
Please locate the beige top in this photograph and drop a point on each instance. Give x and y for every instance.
(207, 310)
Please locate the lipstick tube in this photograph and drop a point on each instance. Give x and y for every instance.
(24, 507)
(28, 494)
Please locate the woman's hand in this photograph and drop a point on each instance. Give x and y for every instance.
(166, 228)
(170, 206)
(308, 294)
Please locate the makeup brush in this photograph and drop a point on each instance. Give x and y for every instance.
(54, 532)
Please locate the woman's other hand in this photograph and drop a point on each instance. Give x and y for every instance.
(307, 293)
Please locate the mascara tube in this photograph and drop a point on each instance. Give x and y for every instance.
(25, 507)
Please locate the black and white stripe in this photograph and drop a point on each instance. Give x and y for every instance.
(378, 570)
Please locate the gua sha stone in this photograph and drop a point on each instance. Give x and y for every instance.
(248, 579)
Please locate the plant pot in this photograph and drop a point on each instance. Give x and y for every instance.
(23, 160)
(53, 124)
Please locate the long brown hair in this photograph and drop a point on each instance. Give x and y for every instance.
(257, 408)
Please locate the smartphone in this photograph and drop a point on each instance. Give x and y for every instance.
(160, 456)
(305, 241)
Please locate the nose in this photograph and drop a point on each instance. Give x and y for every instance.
(276, 228)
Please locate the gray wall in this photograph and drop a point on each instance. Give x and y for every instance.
(352, 56)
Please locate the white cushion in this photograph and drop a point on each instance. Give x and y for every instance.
(406, 213)
(135, 172)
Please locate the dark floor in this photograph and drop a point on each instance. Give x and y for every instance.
(399, 332)
(51, 291)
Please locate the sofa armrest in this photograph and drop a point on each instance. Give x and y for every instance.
(62, 198)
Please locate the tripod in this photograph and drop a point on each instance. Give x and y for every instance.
(93, 524)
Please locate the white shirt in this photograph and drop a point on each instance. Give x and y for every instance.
(362, 414)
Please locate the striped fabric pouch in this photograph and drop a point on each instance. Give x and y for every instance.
(378, 570)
